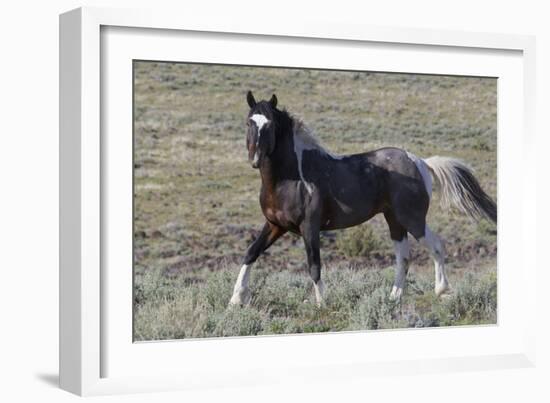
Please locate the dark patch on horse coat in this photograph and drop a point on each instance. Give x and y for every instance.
(318, 191)
(346, 191)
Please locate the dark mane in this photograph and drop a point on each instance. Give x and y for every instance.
(302, 133)
(283, 121)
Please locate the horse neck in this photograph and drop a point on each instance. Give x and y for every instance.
(281, 164)
(267, 173)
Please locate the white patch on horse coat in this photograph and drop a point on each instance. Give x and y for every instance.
(424, 172)
(260, 121)
(306, 135)
(299, 147)
(319, 291)
(241, 292)
(305, 139)
(402, 251)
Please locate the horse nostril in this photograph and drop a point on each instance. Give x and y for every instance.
(256, 161)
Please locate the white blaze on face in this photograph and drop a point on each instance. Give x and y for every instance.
(260, 121)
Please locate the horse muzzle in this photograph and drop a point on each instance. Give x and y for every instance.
(256, 161)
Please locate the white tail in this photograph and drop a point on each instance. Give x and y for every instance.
(460, 188)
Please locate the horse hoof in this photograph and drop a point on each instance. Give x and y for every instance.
(396, 293)
(241, 297)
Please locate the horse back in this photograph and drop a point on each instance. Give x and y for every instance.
(347, 190)
(356, 187)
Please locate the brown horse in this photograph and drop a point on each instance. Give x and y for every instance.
(306, 190)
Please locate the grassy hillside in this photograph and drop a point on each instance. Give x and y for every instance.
(197, 210)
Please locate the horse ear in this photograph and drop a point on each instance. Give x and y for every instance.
(273, 101)
(250, 99)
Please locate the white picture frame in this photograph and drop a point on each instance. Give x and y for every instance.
(91, 351)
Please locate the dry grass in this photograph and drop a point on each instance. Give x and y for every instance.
(282, 303)
(196, 197)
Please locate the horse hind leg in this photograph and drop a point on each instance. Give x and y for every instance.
(434, 244)
(417, 227)
(401, 248)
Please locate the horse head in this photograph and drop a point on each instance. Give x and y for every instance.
(260, 136)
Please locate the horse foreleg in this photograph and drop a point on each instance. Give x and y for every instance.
(311, 233)
(241, 292)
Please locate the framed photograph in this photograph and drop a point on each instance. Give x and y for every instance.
(243, 207)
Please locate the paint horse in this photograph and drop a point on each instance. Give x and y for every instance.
(306, 189)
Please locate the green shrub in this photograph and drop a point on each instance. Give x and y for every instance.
(281, 326)
(284, 303)
(376, 311)
(218, 289)
(474, 300)
(181, 317)
(239, 321)
(151, 286)
(282, 293)
(359, 241)
(345, 287)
